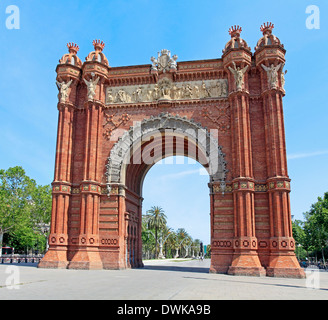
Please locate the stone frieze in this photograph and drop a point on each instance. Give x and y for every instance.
(165, 89)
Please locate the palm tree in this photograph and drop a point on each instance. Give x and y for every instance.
(165, 233)
(182, 236)
(156, 219)
(173, 244)
(196, 247)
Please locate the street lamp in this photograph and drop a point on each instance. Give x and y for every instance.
(44, 227)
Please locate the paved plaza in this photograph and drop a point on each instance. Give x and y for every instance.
(159, 280)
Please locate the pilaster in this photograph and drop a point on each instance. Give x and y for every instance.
(56, 256)
(270, 60)
(245, 261)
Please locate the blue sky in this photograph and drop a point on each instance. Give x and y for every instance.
(133, 32)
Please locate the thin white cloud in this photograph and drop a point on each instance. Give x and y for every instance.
(306, 155)
(200, 171)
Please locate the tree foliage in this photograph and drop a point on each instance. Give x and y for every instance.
(156, 234)
(312, 233)
(156, 219)
(24, 208)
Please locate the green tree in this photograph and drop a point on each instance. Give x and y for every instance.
(164, 235)
(300, 238)
(173, 244)
(183, 237)
(316, 226)
(156, 219)
(40, 214)
(24, 208)
(148, 240)
(15, 199)
(196, 247)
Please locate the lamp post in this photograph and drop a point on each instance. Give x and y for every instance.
(44, 227)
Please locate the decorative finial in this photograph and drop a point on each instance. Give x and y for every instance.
(235, 31)
(267, 28)
(72, 48)
(98, 45)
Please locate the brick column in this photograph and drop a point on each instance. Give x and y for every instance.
(245, 259)
(123, 255)
(139, 239)
(56, 256)
(270, 60)
(86, 252)
(221, 206)
(282, 259)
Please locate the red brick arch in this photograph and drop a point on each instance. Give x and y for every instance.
(226, 113)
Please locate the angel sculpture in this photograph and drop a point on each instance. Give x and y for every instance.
(172, 64)
(239, 75)
(91, 87)
(272, 75)
(63, 90)
(154, 65)
(282, 78)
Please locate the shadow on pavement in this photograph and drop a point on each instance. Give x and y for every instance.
(177, 268)
(25, 264)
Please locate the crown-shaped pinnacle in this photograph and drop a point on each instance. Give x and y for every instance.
(98, 45)
(267, 28)
(235, 31)
(73, 47)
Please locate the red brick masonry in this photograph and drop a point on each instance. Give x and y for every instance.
(97, 200)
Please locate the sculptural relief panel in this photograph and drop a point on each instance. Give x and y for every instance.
(165, 89)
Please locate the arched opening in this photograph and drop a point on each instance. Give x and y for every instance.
(179, 186)
(156, 147)
(139, 149)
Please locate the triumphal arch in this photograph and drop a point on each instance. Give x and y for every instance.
(116, 122)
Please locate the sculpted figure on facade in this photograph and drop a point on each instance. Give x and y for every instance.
(196, 92)
(282, 78)
(221, 88)
(205, 91)
(164, 61)
(272, 75)
(175, 92)
(122, 96)
(238, 75)
(172, 64)
(137, 95)
(156, 92)
(63, 90)
(154, 63)
(187, 91)
(109, 96)
(91, 85)
(149, 93)
(165, 89)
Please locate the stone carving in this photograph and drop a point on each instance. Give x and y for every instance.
(121, 152)
(272, 75)
(164, 92)
(122, 96)
(165, 89)
(282, 78)
(238, 75)
(91, 85)
(112, 125)
(164, 61)
(63, 90)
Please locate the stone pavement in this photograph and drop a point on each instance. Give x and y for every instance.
(159, 280)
